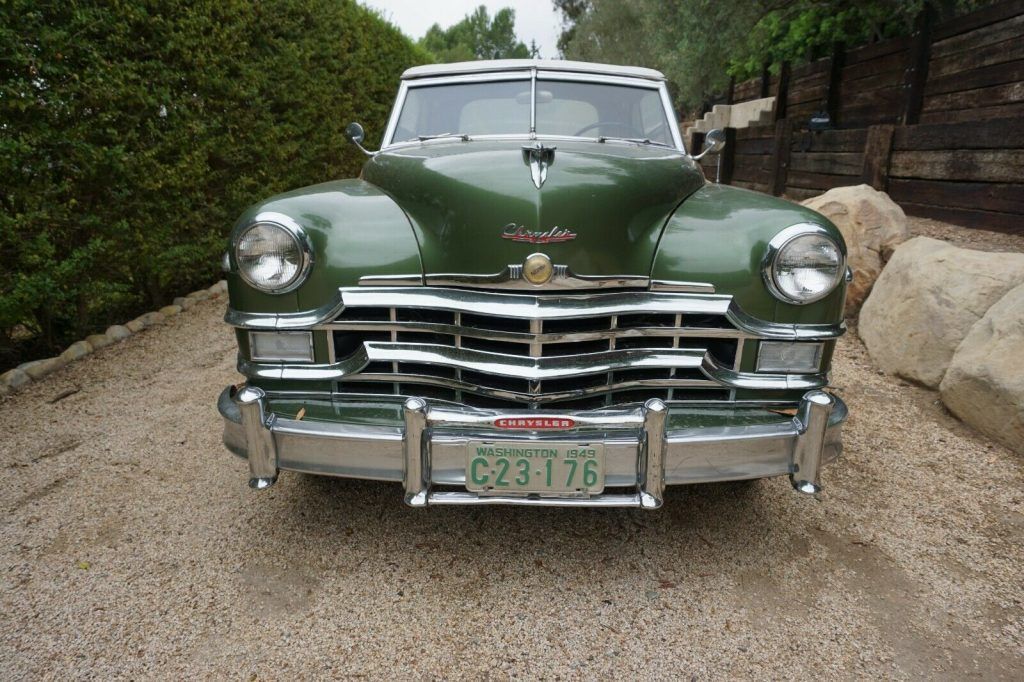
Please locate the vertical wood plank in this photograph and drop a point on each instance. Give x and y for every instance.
(696, 142)
(727, 157)
(916, 73)
(782, 92)
(835, 79)
(877, 153)
(766, 80)
(730, 94)
(780, 157)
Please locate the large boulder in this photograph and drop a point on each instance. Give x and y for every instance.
(872, 225)
(926, 300)
(984, 385)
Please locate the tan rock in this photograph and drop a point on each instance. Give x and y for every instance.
(170, 310)
(45, 367)
(926, 301)
(118, 332)
(76, 351)
(98, 341)
(14, 379)
(219, 289)
(984, 385)
(872, 225)
(184, 302)
(200, 295)
(154, 318)
(136, 325)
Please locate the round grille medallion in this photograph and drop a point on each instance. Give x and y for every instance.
(537, 268)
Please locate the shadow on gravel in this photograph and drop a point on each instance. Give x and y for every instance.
(702, 519)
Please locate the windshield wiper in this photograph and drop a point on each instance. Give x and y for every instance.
(636, 140)
(463, 136)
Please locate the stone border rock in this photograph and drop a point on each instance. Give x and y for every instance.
(27, 372)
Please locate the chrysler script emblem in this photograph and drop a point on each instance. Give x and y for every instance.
(519, 233)
(539, 157)
(534, 423)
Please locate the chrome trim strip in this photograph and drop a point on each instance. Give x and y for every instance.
(682, 287)
(531, 368)
(555, 307)
(512, 65)
(300, 320)
(546, 337)
(391, 280)
(524, 306)
(512, 278)
(547, 397)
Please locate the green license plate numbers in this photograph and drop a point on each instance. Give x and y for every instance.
(542, 467)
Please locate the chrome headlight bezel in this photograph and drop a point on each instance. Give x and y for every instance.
(779, 243)
(295, 232)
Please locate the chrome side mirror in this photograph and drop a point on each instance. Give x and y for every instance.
(354, 134)
(714, 142)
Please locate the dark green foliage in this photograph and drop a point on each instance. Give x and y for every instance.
(477, 36)
(698, 44)
(133, 133)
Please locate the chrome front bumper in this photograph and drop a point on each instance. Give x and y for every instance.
(647, 447)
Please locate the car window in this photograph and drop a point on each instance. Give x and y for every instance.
(600, 109)
(496, 108)
(564, 108)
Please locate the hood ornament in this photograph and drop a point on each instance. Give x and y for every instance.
(519, 233)
(539, 157)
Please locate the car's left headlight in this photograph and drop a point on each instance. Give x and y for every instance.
(273, 253)
(804, 264)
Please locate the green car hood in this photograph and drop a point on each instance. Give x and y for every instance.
(461, 196)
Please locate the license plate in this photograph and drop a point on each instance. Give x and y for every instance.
(542, 467)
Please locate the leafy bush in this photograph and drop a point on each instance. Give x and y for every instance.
(133, 133)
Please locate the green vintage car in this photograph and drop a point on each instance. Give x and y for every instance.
(531, 295)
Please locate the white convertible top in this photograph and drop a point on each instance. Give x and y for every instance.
(493, 65)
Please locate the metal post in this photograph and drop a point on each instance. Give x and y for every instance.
(652, 466)
(815, 409)
(416, 490)
(259, 440)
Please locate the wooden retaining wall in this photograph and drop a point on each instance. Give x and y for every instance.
(935, 118)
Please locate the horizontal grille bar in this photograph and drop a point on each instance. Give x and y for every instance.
(534, 307)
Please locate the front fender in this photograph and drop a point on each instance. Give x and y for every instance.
(720, 235)
(354, 229)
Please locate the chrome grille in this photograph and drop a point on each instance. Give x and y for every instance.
(486, 357)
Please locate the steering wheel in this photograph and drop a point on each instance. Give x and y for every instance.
(627, 129)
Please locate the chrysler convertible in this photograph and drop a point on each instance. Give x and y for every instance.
(531, 295)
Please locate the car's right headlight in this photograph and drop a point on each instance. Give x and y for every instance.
(804, 264)
(273, 254)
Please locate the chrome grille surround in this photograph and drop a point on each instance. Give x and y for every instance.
(498, 349)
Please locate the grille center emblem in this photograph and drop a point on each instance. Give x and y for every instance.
(537, 268)
(539, 157)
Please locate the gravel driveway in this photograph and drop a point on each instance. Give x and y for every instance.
(130, 546)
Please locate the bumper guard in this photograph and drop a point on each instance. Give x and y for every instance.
(424, 450)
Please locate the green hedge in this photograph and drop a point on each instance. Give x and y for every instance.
(133, 133)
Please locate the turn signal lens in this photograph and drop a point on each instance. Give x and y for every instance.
(785, 356)
(281, 346)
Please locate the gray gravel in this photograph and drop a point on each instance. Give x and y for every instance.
(131, 547)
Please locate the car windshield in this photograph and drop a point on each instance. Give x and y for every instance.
(564, 108)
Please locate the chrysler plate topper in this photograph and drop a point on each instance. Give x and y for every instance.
(390, 329)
